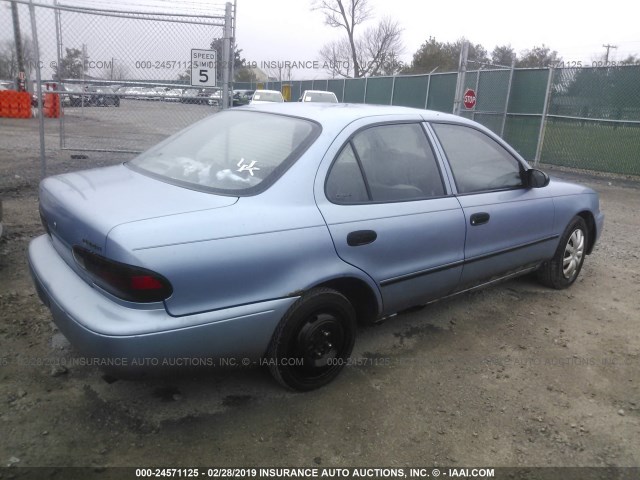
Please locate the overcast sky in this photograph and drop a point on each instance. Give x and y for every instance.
(288, 30)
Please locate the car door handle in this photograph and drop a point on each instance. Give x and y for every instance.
(479, 218)
(361, 237)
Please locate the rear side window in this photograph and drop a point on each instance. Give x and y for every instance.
(395, 163)
(345, 183)
(477, 161)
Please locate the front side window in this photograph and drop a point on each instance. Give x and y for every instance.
(477, 161)
(232, 152)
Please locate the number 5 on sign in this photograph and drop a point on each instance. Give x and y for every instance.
(203, 68)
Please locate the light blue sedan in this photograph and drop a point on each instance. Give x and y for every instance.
(264, 233)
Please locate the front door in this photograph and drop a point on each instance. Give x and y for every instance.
(509, 226)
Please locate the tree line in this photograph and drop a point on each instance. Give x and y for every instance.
(375, 50)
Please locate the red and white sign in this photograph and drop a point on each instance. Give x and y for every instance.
(469, 99)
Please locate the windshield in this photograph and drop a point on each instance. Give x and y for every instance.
(232, 152)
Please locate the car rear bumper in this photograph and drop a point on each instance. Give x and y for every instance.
(101, 328)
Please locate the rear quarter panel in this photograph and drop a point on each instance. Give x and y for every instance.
(272, 245)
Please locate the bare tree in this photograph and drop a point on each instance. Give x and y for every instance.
(336, 56)
(368, 54)
(379, 48)
(9, 58)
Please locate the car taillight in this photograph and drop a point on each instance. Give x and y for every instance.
(134, 284)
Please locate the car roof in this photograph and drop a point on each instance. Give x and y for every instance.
(270, 91)
(318, 91)
(345, 113)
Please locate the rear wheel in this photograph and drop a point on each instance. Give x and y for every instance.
(313, 340)
(563, 269)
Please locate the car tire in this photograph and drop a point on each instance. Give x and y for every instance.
(313, 341)
(563, 269)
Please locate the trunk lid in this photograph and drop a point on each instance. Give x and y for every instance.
(81, 208)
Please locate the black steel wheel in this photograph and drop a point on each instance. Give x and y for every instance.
(313, 341)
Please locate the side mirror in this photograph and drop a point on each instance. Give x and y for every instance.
(535, 178)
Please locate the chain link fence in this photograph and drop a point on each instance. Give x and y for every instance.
(137, 70)
(116, 70)
(593, 120)
(582, 118)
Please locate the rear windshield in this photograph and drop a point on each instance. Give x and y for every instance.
(324, 97)
(231, 152)
(267, 96)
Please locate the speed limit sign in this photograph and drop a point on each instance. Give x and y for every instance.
(203, 68)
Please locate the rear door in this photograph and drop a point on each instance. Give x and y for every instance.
(509, 226)
(390, 211)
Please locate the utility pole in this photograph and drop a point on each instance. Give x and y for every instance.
(606, 57)
(18, 40)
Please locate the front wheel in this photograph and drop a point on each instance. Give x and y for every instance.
(313, 340)
(563, 269)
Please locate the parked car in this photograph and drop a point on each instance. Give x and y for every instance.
(75, 96)
(318, 96)
(152, 93)
(209, 246)
(266, 96)
(173, 95)
(215, 99)
(190, 95)
(135, 93)
(242, 97)
(204, 94)
(102, 96)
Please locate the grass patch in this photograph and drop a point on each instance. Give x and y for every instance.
(592, 145)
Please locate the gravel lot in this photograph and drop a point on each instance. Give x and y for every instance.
(516, 375)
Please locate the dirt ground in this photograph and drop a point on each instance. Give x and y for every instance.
(515, 375)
